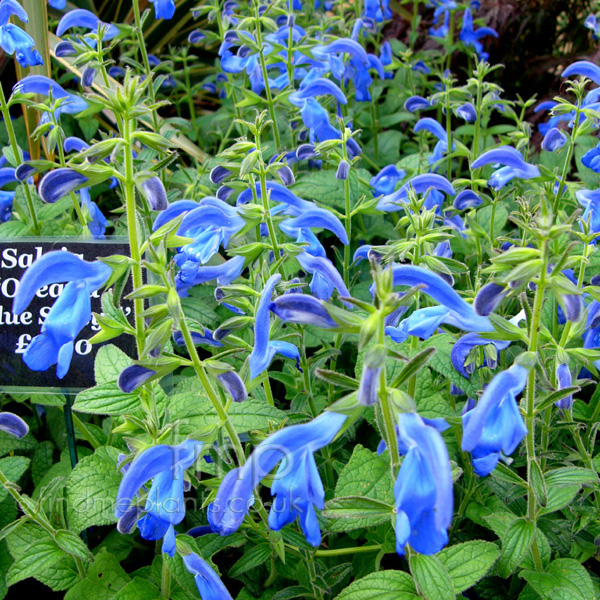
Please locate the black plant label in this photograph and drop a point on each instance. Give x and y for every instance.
(17, 331)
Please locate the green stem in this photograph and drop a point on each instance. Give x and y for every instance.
(265, 75)
(348, 221)
(165, 580)
(208, 388)
(190, 99)
(35, 226)
(344, 551)
(132, 227)
(567, 164)
(530, 399)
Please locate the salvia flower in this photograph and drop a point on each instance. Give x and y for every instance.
(452, 309)
(385, 181)
(563, 380)
(554, 140)
(591, 159)
(591, 22)
(467, 112)
(488, 298)
(13, 40)
(13, 424)
(495, 427)
(207, 581)
(7, 176)
(433, 127)
(467, 199)
(264, 350)
(471, 37)
(421, 184)
(60, 182)
(590, 200)
(86, 20)
(416, 103)
(514, 166)
(297, 486)
(164, 506)
(70, 313)
(303, 309)
(423, 489)
(164, 9)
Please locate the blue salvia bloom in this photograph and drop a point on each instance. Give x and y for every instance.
(467, 112)
(421, 67)
(442, 30)
(234, 385)
(302, 309)
(385, 57)
(164, 9)
(563, 380)
(415, 103)
(155, 193)
(12, 424)
(433, 127)
(553, 121)
(317, 87)
(13, 40)
(591, 22)
(58, 4)
(488, 298)
(385, 181)
(452, 309)
(207, 581)
(60, 182)
(38, 84)
(471, 37)
(421, 184)
(204, 338)
(495, 427)
(585, 69)
(7, 176)
(467, 199)
(591, 337)
(86, 20)
(70, 313)
(316, 119)
(591, 159)
(590, 200)
(378, 10)
(554, 140)
(165, 505)
(133, 377)
(297, 486)
(325, 276)
(97, 224)
(515, 166)
(423, 489)
(264, 350)
(224, 274)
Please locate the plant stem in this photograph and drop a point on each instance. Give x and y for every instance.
(165, 580)
(347, 222)
(351, 550)
(35, 226)
(530, 399)
(136, 268)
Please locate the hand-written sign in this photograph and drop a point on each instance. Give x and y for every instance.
(17, 331)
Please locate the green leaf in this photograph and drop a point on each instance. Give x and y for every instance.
(354, 512)
(110, 361)
(567, 476)
(252, 558)
(13, 467)
(442, 363)
(105, 577)
(138, 589)
(106, 399)
(431, 577)
(515, 545)
(92, 488)
(9, 443)
(72, 544)
(195, 411)
(467, 563)
(384, 585)
(562, 574)
(366, 475)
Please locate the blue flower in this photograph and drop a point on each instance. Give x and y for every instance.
(297, 486)
(421, 184)
(415, 103)
(378, 10)
(164, 9)
(225, 273)
(591, 22)
(302, 309)
(442, 30)
(60, 182)
(467, 112)
(495, 427)
(453, 310)
(13, 40)
(563, 380)
(87, 20)
(12, 424)
(433, 127)
(591, 159)
(471, 37)
(207, 581)
(325, 276)
(7, 175)
(164, 505)
(585, 69)
(423, 489)
(38, 84)
(467, 199)
(515, 166)
(69, 314)
(385, 181)
(264, 350)
(590, 200)
(554, 140)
